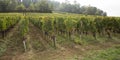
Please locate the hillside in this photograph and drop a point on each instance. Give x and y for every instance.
(33, 36)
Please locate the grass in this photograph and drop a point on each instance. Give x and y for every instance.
(108, 54)
(89, 39)
(36, 45)
(106, 48)
(3, 48)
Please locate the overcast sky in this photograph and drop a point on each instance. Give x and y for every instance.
(112, 7)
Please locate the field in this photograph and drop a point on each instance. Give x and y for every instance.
(38, 36)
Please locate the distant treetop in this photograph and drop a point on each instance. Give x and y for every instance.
(47, 6)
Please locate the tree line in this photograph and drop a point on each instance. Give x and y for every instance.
(48, 6)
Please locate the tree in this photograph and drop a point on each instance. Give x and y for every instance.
(47, 6)
(43, 6)
(20, 7)
(4, 5)
(12, 5)
(55, 5)
(91, 10)
(26, 3)
(70, 8)
(76, 7)
(31, 7)
(104, 14)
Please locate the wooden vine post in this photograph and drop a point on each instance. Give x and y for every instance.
(54, 40)
(24, 43)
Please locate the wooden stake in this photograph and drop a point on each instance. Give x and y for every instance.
(24, 43)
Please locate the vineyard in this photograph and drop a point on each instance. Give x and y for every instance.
(65, 32)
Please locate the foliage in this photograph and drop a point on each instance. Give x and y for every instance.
(7, 22)
(24, 27)
(20, 7)
(47, 6)
(82, 25)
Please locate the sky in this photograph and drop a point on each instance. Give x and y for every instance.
(112, 7)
